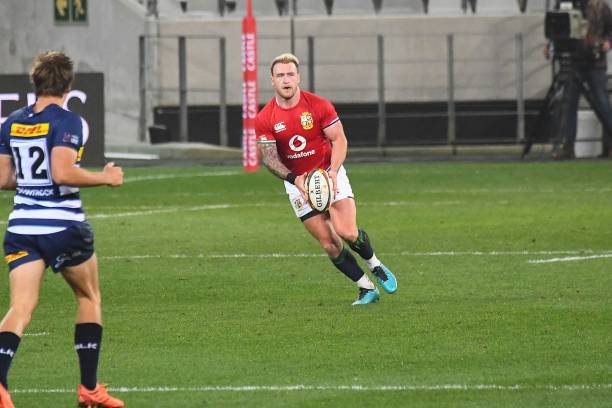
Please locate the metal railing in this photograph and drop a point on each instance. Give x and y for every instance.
(183, 89)
(379, 60)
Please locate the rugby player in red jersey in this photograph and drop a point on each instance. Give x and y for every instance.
(40, 150)
(297, 132)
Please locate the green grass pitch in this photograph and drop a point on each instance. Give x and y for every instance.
(211, 286)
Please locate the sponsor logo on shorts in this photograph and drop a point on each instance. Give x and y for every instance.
(20, 130)
(61, 258)
(297, 204)
(15, 256)
(306, 120)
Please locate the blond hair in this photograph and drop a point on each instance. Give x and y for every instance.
(286, 58)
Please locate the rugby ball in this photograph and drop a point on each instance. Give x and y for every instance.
(320, 190)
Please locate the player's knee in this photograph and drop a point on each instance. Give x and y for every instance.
(331, 247)
(91, 297)
(349, 236)
(94, 298)
(347, 233)
(23, 311)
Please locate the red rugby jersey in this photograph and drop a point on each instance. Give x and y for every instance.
(298, 131)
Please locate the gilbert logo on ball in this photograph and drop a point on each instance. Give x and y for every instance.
(320, 190)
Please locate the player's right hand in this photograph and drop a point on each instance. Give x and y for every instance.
(114, 174)
(300, 183)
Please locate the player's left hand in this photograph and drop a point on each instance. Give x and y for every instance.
(605, 46)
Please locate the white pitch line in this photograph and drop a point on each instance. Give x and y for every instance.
(407, 203)
(498, 253)
(353, 387)
(160, 211)
(171, 210)
(306, 255)
(180, 175)
(36, 334)
(226, 206)
(569, 259)
(211, 256)
(276, 204)
(167, 210)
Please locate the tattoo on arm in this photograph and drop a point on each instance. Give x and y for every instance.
(270, 158)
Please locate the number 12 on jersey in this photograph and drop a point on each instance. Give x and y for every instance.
(31, 162)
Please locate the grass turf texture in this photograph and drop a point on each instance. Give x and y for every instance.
(193, 297)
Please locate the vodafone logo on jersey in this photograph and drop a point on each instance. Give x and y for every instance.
(298, 143)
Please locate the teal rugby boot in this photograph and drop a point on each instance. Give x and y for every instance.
(385, 278)
(367, 296)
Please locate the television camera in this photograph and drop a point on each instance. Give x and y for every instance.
(566, 25)
(566, 28)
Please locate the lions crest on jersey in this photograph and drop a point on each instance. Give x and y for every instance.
(306, 120)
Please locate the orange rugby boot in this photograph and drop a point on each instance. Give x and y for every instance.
(5, 398)
(97, 398)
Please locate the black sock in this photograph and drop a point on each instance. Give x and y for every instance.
(362, 246)
(87, 342)
(9, 342)
(347, 264)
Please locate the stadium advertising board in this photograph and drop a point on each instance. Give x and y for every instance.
(86, 98)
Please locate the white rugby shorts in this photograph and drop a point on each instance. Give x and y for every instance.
(301, 206)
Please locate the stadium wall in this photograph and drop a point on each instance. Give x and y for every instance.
(345, 57)
(345, 60)
(107, 43)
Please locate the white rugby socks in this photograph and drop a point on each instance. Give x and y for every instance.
(373, 262)
(365, 282)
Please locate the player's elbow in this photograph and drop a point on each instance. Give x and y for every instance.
(60, 176)
(8, 180)
(7, 183)
(265, 157)
(266, 160)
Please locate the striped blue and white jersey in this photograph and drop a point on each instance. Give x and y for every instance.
(41, 206)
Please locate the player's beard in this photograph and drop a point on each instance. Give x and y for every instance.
(287, 96)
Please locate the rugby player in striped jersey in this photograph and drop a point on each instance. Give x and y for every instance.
(40, 149)
(298, 132)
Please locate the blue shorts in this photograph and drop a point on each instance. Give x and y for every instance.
(69, 247)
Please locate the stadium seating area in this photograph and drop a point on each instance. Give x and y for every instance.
(210, 8)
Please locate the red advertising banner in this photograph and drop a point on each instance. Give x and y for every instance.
(250, 161)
